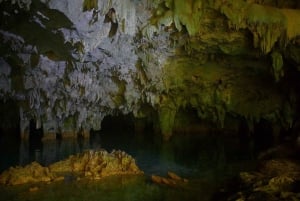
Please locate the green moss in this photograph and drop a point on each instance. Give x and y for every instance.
(267, 24)
(189, 14)
(182, 13)
(235, 11)
(90, 4)
(292, 17)
(123, 25)
(241, 87)
(69, 122)
(264, 15)
(166, 120)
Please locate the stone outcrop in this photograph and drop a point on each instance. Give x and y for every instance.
(276, 179)
(90, 164)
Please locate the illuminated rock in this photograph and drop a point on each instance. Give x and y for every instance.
(31, 173)
(90, 164)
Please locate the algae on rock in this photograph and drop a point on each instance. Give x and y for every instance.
(267, 24)
(181, 13)
(216, 90)
(90, 4)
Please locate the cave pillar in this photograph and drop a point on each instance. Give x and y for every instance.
(49, 130)
(166, 121)
(24, 130)
(24, 126)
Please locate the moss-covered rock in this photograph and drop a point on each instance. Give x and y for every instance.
(214, 89)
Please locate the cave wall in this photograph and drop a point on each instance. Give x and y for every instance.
(67, 67)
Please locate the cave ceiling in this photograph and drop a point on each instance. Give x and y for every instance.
(68, 64)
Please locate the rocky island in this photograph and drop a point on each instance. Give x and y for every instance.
(89, 164)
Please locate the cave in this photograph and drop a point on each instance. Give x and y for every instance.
(152, 100)
(117, 123)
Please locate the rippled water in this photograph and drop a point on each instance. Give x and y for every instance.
(207, 161)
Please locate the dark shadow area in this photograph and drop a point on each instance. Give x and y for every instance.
(9, 134)
(95, 139)
(118, 123)
(35, 141)
(259, 139)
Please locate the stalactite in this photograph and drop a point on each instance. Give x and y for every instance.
(277, 64)
(166, 120)
(181, 13)
(268, 24)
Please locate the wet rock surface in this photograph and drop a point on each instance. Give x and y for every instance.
(276, 178)
(90, 164)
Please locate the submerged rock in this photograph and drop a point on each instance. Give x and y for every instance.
(172, 180)
(90, 164)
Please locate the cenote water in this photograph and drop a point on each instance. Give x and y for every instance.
(208, 162)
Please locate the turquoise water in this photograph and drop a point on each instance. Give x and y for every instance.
(206, 161)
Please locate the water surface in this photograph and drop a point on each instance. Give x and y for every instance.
(206, 161)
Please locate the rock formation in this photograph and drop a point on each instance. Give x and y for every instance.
(223, 60)
(275, 180)
(90, 164)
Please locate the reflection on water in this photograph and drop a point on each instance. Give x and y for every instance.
(51, 151)
(206, 161)
(115, 188)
